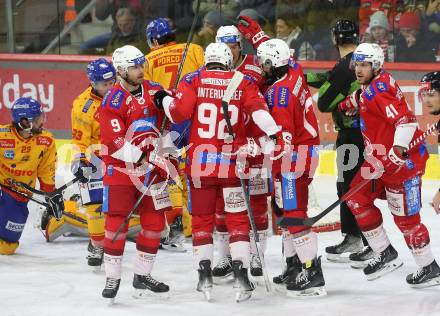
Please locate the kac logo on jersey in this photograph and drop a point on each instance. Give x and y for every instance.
(9, 154)
(116, 100)
(369, 92)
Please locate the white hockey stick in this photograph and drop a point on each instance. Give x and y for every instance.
(236, 79)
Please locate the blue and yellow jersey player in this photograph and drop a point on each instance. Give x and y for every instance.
(27, 153)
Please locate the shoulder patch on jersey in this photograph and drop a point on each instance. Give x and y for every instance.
(249, 78)
(190, 76)
(283, 97)
(7, 143)
(269, 96)
(153, 83)
(253, 68)
(44, 140)
(104, 100)
(116, 99)
(5, 130)
(369, 92)
(381, 86)
(87, 105)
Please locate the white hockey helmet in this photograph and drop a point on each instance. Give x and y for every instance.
(127, 56)
(369, 52)
(228, 34)
(218, 53)
(274, 53)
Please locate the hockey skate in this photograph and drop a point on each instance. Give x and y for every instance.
(292, 269)
(309, 282)
(425, 277)
(382, 263)
(359, 260)
(242, 286)
(174, 240)
(223, 269)
(205, 279)
(94, 257)
(256, 269)
(146, 286)
(341, 251)
(111, 289)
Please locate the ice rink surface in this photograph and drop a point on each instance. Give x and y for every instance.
(54, 279)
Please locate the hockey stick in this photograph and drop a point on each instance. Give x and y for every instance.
(295, 221)
(44, 204)
(133, 209)
(47, 194)
(229, 92)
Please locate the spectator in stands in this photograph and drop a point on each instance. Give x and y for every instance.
(126, 32)
(229, 8)
(211, 22)
(145, 9)
(263, 7)
(288, 29)
(414, 44)
(378, 32)
(432, 16)
(321, 14)
(369, 7)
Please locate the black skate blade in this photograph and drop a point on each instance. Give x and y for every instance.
(313, 292)
(389, 267)
(228, 278)
(146, 294)
(110, 301)
(95, 269)
(207, 295)
(258, 280)
(173, 248)
(432, 282)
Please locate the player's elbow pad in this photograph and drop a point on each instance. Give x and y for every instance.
(265, 122)
(404, 134)
(128, 153)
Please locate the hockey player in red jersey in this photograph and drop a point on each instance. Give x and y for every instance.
(129, 121)
(290, 103)
(388, 126)
(258, 186)
(211, 166)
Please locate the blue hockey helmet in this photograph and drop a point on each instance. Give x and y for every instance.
(100, 70)
(157, 29)
(26, 108)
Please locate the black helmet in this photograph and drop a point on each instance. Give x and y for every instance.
(431, 79)
(345, 32)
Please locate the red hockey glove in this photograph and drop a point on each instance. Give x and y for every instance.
(351, 102)
(283, 142)
(252, 31)
(394, 161)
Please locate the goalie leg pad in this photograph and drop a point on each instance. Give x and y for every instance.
(95, 225)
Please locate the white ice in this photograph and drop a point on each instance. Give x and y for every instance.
(53, 279)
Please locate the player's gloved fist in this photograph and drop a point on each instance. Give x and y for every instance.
(351, 102)
(251, 30)
(283, 142)
(83, 169)
(158, 98)
(55, 205)
(396, 159)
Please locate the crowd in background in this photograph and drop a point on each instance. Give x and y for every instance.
(407, 30)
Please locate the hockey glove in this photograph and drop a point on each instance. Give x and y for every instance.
(251, 30)
(55, 205)
(351, 102)
(158, 98)
(283, 142)
(83, 169)
(394, 161)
